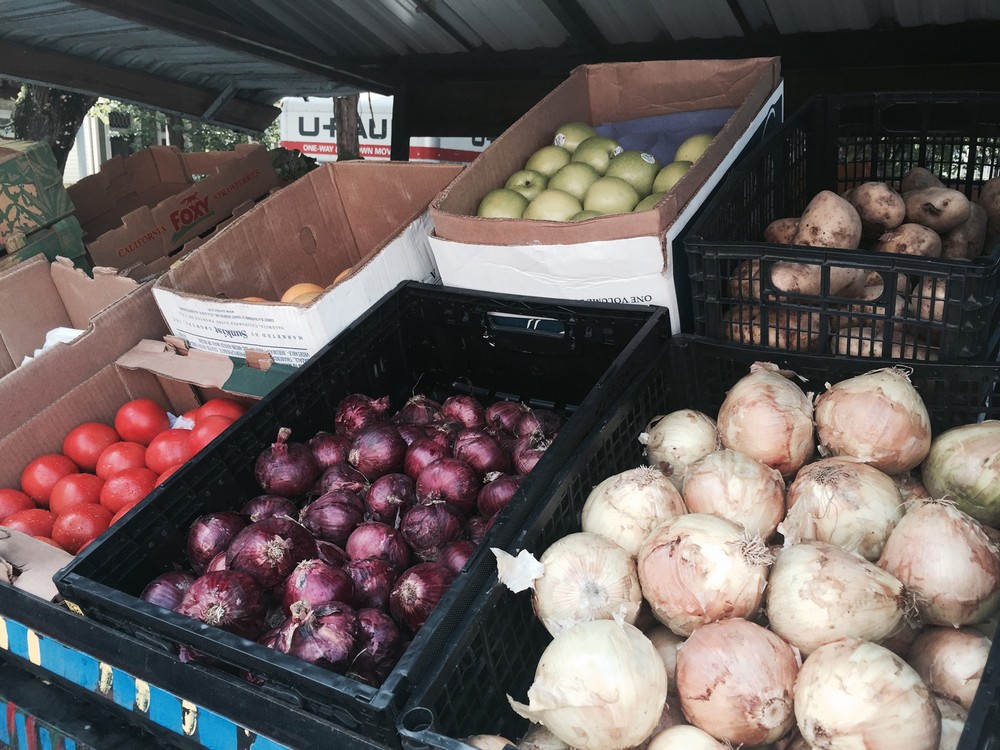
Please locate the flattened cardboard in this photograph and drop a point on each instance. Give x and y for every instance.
(35, 563)
(369, 216)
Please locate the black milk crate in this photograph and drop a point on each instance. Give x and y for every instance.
(572, 357)
(837, 142)
(498, 645)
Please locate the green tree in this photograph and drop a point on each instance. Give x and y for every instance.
(52, 115)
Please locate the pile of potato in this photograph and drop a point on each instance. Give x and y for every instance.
(923, 218)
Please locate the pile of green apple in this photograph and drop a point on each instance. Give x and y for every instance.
(583, 175)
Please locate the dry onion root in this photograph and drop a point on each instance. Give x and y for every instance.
(675, 440)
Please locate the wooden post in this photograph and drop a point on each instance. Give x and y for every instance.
(345, 113)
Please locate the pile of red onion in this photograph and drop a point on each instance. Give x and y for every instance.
(359, 530)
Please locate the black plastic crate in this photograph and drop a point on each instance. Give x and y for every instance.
(418, 339)
(834, 143)
(500, 641)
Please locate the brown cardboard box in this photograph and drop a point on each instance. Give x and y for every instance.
(367, 216)
(144, 207)
(32, 195)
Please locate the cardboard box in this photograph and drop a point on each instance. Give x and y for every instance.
(625, 258)
(32, 195)
(146, 206)
(64, 239)
(368, 216)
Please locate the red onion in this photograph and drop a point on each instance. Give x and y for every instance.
(265, 506)
(418, 410)
(423, 451)
(377, 450)
(544, 422)
(464, 409)
(417, 592)
(167, 589)
(373, 581)
(455, 554)
(376, 539)
(329, 449)
(326, 636)
(218, 562)
(527, 451)
(483, 453)
(226, 599)
(496, 493)
(450, 480)
(380, 644)
(476, 528)
(333, 515)
(357, 411)
(504, 415)
(411, 432)
(211, 534)
(314, 582)
(331, 553)
(286, 468)
(342, 477)
(270, 549)
(445, 433)
(428, 527)
(389, 497)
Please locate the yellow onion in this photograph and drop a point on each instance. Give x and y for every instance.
(539, 737)
(598, 686)
(844, 502)
(684, 737)
(942, 555)
(735, 681)
(733, 485)
(768, 417)
(666, 642)
(670, 717)
(911, 488)
(488, 742)
(674, 441)
(951, 661)
(953, 718)
(698, 568)
(626, 506)
(877, 417)
(817, 593)
(964, 465)
(853, 693)
(587, 577)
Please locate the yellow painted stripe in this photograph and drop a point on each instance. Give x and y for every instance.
(3, 634)
(105, 679)
(141, 696)
(189, 717)
(34, 648)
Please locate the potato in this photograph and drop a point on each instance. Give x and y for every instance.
(806, 279)
(989, 198)
(781, 231)
(875, 278)
(829, 221)
(880, 207)
(910, 239)
(745, 281)
(919, 178)
(927, 300)
(967, 240)
(858, 314)
(941, 209)
(794, 330)
(866, 341)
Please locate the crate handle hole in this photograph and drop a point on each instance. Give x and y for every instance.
(418, 719)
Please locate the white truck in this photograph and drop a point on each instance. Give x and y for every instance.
(308, 125)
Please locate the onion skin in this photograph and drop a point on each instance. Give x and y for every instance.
(167, 589)
(684, 737)
(667, 642)
(963, 464)
(333, 515)
(326, 636)
(377, 450)
(853, 693)
(953, 720)
(357, 411)
(373, 581)
(329, 449)
(313, 583)
(676, 440)
(496, 492)
(211, 534)
(735, 680)
(286, 468)
(380, 644)
(270, 549)
(417, 592)
(265, 506)
(449, 480)
(951, 661)
(375, 539)
(226, 599)
(464, 409)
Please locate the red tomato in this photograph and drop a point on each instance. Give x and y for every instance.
(206, 430)
(76, 527)
(120, 456)
(122, 511)
(160, 479)
(191, 415)
(39, 476)
(140, 420)
(227, 407)
(85, 443)
(12, 500)
(75, 489)
(168, 448)
(128, 486)
(33, 521)
(48, 540)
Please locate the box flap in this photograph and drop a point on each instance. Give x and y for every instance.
(84, 296)
(30, 307)
(29, 564)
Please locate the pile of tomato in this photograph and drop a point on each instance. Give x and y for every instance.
(70, 498)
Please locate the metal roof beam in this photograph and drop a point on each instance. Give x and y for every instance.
(215, 31)
(84, 75)
(580, 25)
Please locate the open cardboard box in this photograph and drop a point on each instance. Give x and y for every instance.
(138, 209)
(624, 258)
(370, 217)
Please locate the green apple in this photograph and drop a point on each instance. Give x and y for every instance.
(648, 202)
(527, 182)
(572, 134)
(575, 178)
(502, 204)
(611, 195)
(597, 151)
(548, 160)
(637, 168)
(693, 147)
(580, 216)
(667, 177)
(552, 205)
